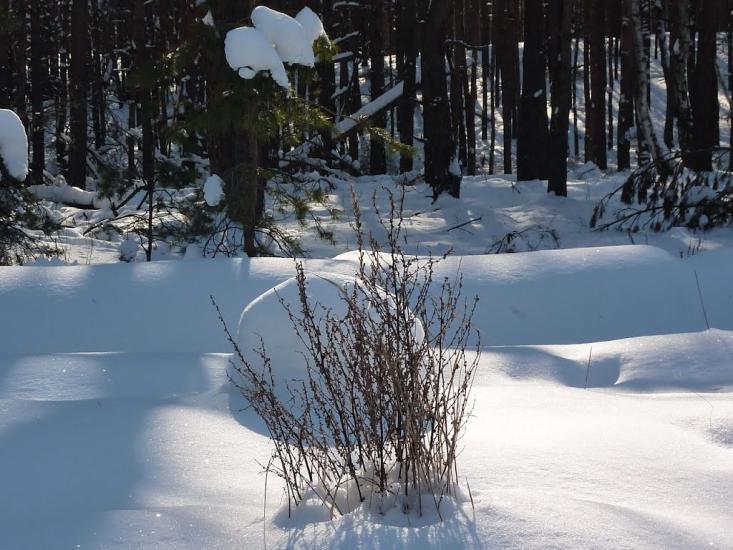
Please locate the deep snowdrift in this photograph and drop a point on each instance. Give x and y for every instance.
(578, 439)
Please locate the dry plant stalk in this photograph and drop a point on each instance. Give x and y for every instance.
(381, 413)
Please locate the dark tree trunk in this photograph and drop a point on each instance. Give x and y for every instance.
(457, 80)
(507, 56)
(439, 144)
(560, 26)
(377, 155)
(20, 49)
(98, 69)
(78, 92)
(6, 61)
(532, 139)
(704, 92)
(327, 80)
(143, 97)
(472, 21)
(406, 24)
(61, 83)
(39, 77)
(626, 97)
(596, 110)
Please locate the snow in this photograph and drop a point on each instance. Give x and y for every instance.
(249, 52)
(129, 248)
(289, 38)
(213, 190)
(119, 428)
(68, 194)
(311, 23)
(13, 144)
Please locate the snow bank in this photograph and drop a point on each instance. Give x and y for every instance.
(13, 144)
(311, 23)
(249, 52)
(213, 190)
(290, 39)
(552, 297)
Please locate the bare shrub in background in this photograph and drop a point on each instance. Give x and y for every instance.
(387, 395)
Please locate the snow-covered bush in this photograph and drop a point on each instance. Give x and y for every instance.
(660, 195)
(371, 413)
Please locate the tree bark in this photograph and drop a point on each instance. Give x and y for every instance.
(78, 93)
(532, 137)
(406, 24)
(377, 155)
(596, 110)
(704, 92)
(626, 91)
(560, 26)
(439, 144)
(39, 76)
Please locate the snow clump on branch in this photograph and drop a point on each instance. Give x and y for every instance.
(13, 145)
(275, 39)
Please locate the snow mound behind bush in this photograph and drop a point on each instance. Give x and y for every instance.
(13, 144)
(266, 321)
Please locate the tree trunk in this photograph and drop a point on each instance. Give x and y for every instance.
(532, 139)
(406, 24)
(596, 110)
(626, 91)
(704, 92)
(677, 89)
(39, 76)
(439, 144)
(6, 61)
(78, 93)
(649, 143)
(560, 26)
(377, 155)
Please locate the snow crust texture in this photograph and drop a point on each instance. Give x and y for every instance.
(13, 144)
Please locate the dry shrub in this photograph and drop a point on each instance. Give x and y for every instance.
(381, 413)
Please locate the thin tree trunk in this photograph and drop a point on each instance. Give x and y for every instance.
(439, 144)
(559, 50)
(626, 92)
(406, 23)
(532, 139)
(704, 92)
(39, 76)
(378, 155)
(78, 92)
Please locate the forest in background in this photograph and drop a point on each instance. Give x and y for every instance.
(130, 98)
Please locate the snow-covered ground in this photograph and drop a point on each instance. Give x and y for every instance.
(603, 408)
